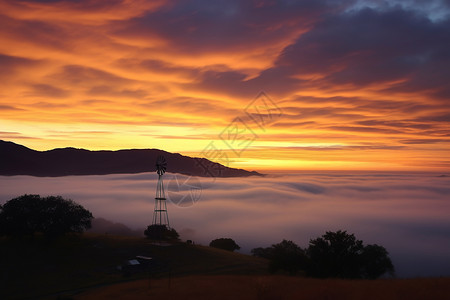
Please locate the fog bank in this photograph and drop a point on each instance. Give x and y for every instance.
(406, 213)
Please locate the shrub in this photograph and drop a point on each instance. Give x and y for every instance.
(161, 233)
(225, 244)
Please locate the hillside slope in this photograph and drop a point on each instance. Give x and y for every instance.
(76, 263)
(19, 160)
(225, 287)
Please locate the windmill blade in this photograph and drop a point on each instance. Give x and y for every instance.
(161, 160)
(161, 165)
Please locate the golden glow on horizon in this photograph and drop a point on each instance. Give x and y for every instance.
(102, 76)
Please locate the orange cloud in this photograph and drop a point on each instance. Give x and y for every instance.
(358, 87)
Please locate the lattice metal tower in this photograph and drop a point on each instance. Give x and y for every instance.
(160, 215)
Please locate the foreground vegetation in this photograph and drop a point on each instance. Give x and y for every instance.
(273, 288)
(85, 267)
(43, 255)
(52, 216)
(333, 255)
(33, 267)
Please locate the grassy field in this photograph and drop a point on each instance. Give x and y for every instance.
(273, 287)
(86, 268)
(35, 268)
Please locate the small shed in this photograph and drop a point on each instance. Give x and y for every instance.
(138, 264)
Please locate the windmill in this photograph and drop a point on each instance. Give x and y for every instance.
(160, 216)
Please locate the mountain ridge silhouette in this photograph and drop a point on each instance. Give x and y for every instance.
(16, 159)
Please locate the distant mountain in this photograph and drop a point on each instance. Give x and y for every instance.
(19, 160)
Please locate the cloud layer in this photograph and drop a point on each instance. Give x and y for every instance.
(406, 213)
(361, 84)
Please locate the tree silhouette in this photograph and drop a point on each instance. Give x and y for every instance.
(262, 252)
(285, 256)
(225, 244)
(339, 254)
(51, 216)
(161, 233)
(334, 254)
(375, 262)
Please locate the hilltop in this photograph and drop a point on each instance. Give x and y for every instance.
(20, 160)
(75, 263)
(85, 267)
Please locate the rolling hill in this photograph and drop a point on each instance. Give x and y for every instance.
(74, 263)
(19, 160)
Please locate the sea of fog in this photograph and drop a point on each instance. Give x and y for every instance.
(408, 213)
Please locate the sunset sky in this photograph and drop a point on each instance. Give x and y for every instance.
(314, 84)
